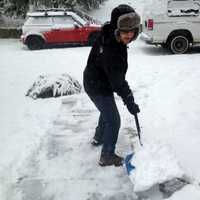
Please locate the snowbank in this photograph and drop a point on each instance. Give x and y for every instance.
(154, 163)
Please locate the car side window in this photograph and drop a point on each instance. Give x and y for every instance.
(64, 21)
(39, 21)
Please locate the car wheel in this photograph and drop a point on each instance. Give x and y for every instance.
(179, 44)
(35, 42)
(92, 38)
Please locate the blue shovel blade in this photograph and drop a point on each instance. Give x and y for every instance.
(129, 166)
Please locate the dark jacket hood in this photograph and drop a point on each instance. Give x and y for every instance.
(117, 12)
(107, 33)
(109, 28)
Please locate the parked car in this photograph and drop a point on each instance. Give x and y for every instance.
(58, 27)
(177, 27)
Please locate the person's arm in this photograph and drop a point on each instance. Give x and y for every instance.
(112, 66)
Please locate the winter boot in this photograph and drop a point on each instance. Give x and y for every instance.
(110, 159)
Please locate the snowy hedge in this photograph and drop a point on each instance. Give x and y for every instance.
(16, 8)
(53, 86)
(10, 32)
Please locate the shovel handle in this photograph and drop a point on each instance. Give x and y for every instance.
(138, 128)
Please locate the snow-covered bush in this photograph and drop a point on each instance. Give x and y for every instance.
(18, 8)
(53, 86)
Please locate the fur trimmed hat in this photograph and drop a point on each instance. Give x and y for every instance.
(124, 18)
(128, 22)
(117, 12)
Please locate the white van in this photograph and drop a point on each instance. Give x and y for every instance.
(173, 24)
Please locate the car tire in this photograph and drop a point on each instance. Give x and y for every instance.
(179, 44)
(92, 38)
(35, 42)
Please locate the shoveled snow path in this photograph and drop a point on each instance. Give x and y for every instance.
(65, 162)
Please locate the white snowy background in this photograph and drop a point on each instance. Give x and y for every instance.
(45, 150)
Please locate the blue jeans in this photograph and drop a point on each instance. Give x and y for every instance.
(109, 122)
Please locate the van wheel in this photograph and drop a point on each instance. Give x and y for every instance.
(179, 44)
(35, 42)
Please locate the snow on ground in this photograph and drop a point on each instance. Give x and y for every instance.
(23, 122)
(65, 164)
(28, 129)
(170, 97)
(45, 151)
(185, 194)
(42, 144)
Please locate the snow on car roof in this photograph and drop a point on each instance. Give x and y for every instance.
(159, 7)
(49, 13)
(56, 13)
(178, 8)
(183, 5)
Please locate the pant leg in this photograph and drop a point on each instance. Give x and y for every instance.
(111, 119)
(100, 129)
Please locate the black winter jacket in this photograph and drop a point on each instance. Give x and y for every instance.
(107, 66)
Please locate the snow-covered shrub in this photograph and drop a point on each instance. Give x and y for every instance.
(53, 86)
(18, 8)
(9, 32)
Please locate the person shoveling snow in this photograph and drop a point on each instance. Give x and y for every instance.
(105, 74)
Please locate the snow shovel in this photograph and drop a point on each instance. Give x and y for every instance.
(138, 128)
(129, 166)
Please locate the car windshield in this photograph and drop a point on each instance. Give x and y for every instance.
(86, 17)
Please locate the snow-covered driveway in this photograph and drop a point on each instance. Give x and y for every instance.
(65, 164)
(45, 150)
(47, 141)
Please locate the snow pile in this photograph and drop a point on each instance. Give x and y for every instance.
(154, 163)
(53, 86)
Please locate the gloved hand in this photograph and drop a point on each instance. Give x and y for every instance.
(133, 108)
